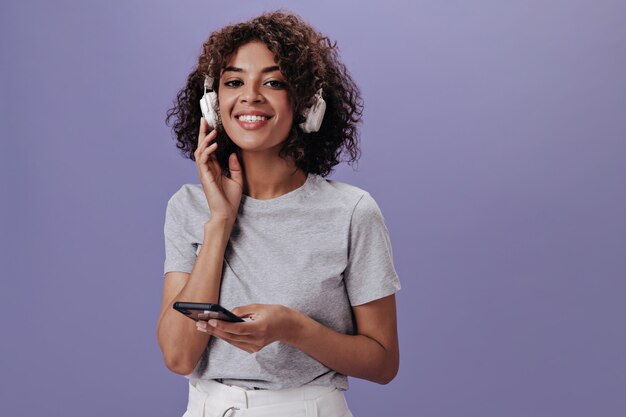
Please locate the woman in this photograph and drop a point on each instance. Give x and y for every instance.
(306, 260)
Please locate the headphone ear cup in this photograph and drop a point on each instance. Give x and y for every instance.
(314, 115)
(208, 106)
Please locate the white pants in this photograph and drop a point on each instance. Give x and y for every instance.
(208, 398)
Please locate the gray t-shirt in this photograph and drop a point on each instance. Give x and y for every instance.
(319, 249)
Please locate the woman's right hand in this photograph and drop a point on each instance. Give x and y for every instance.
(223, 193)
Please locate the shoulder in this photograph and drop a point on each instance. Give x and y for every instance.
(358, 200)
(189, 199)
(340, 192)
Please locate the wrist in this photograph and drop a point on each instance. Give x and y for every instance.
(217, 227)
(219, 222)
(296, 324)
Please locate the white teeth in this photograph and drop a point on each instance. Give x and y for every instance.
(249, 118)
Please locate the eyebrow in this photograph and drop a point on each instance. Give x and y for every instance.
(264, 70)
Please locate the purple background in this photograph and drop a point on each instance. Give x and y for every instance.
(494, 142)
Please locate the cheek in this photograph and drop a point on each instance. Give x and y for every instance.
(288, 120)
(225, 108)
(224, 105)
(284, 126)
(287, 116)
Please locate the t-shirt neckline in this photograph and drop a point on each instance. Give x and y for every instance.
(253, 202)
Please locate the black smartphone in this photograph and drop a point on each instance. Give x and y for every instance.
(205, 311)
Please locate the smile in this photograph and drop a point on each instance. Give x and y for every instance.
(251, 118)
(252, 122)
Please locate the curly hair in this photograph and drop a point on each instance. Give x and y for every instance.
(309, 61)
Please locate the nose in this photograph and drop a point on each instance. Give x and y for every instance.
(251, 94)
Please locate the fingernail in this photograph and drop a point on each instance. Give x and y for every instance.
(212, 322)
(201, 325)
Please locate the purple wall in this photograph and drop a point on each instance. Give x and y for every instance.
(494, 142)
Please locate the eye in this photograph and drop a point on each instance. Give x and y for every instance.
(230, 83)
(276, 84)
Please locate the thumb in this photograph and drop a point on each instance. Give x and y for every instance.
(235, 169)
(244, 311)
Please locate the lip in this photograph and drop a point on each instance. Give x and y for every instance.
(251, 125)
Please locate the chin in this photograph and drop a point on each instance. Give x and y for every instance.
(255, 146)
(251, 142)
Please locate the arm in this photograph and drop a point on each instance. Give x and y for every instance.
(370, 354)
(179, 341)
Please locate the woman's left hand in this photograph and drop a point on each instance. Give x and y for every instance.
(269, 323)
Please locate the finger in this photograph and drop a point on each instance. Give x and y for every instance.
(212, 135)
(229, 337)
(205, 140)
(205, 172)
(243, 311)
(216, 165)
(235, 168)
(248, 343)
(209, 150)
(200, 147)
(203, 130)
(204, 158)
(228, 327)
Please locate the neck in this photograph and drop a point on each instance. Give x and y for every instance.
(268, 176)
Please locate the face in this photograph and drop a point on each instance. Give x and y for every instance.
(254, 104)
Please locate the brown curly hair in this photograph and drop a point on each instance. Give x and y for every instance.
(309, 61)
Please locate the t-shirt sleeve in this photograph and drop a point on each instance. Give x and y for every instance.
(370, 273)
(180, 253)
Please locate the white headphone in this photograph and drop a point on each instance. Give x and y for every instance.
(314, 115)
(208, 103)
